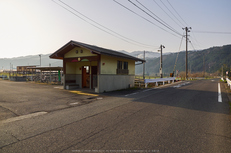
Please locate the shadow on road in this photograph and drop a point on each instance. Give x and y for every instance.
(198, 95)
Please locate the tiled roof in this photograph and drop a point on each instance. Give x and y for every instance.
(59, 54)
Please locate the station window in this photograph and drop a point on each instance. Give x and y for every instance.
(125, 65)
(122, 68)
(119, 64)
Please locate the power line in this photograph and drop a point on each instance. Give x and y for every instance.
(172, 13)
(167, 14)
(213, 32)
(113, 33)
(144, 18)
(209, 32)
(194, 37)
(153, 17)
(181, 19)
(192, 46)
(156, 15)
(178, 53)
(177, 12)
(209, 52)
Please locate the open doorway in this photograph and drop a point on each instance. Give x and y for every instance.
(85, 77)
(93, 77)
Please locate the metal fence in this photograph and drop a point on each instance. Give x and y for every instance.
(156, 81)
(44, 77)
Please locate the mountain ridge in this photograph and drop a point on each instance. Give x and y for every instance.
(210, 60)
(214, 57)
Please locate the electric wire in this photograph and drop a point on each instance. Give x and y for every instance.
(192, 46)
(213, 32)
(144, 18)
(208, 32)
(194, 37)
(210, 52)
(167, 14)
(107, 28)
(113, 33)
(178, 53)
(154, 17)
(177, 12)
(172, 13)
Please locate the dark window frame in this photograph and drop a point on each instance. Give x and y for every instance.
(125, 66)
(122, 68)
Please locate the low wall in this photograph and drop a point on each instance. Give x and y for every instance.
(114, 82)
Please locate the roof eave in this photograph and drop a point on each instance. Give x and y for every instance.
(59, 54)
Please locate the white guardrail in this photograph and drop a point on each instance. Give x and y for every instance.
(228, 82)
(147, 81)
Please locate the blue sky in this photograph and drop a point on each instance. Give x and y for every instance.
(30, 27)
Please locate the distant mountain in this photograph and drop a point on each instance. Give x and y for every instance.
(46, 61)
(29, 60)
(140, 54)
(211, 59)
(214, 58)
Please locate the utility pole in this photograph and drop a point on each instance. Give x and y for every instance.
(40, 59)
(144, 66)
(186, 56)
(161, 62)
(41, 69)
(204, 64)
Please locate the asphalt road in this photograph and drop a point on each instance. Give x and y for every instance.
(185, 117)
(21, 98)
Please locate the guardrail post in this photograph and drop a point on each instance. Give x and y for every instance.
(146, 85)
(163, 82)
(157, 84)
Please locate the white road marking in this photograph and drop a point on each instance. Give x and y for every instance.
(219, 93)
(180, 85)
(59, 87)
(139, 92)
(131, 94)
(76, 103)
(22, 117)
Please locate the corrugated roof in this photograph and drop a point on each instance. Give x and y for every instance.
(59, 54)
(47, 68)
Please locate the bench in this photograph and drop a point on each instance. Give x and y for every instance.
(71, 84)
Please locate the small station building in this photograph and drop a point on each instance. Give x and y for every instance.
(93, 67)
